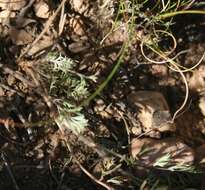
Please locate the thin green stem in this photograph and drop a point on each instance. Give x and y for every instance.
(172, 14)
(116, 67)
(110, 76)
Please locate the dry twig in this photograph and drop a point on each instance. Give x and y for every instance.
(106, 186)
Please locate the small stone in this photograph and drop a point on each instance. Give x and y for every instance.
(196, 81)
(77, 4)
(152, 112)
(11, 80)
(136, 131)
(41, 9)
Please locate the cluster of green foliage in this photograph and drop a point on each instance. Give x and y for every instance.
(69, 88)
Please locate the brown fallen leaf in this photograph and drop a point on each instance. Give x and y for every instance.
(12, 4)
(179, 153)
(41, 9)
(46, 42)
(5, 15)
(76, 26)
(20, 36)
(117, 36)
(21, 22)
(77, 47)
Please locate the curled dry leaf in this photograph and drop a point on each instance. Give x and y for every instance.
(12, 4)
(179, 153)
(41, 9)
(20, 36)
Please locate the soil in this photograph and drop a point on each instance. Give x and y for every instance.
(34, 154)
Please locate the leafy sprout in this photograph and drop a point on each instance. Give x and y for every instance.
(68, 87)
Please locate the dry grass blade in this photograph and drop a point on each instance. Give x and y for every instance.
(79, 164)
(106, 186)
(62, 20)
(177, 69)
(47, 25)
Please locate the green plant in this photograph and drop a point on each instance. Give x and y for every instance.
(138, 15)
(67, 88)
